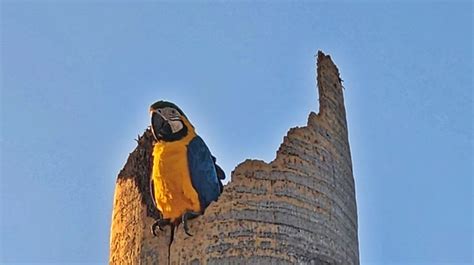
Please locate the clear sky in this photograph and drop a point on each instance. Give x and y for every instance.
(78, 78)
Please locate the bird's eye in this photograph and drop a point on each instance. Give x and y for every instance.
(159, 111)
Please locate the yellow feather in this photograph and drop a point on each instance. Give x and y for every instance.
(174, 192)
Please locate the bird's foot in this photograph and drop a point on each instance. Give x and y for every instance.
(161, 223)
(184, 219)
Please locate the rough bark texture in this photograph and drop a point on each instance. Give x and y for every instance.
(298, 209)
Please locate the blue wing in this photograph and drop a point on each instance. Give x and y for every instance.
(203, 172)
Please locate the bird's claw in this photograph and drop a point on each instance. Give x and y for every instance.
(184, 219)
(186, 228)
(161, 223)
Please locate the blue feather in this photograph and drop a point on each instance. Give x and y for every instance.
(203, 172)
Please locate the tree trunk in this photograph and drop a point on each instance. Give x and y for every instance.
(298, 209)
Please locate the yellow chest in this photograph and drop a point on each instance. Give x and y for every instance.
(174, 193)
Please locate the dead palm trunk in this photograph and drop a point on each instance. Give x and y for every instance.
(298, 209)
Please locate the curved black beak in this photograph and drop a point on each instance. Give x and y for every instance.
(160, 126)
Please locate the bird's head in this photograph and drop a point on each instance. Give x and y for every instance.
(168, 122)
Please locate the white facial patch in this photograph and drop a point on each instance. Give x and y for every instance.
(176, 125)
(169, 113)
(173, 117)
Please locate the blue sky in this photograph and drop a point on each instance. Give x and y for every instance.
(77, 79)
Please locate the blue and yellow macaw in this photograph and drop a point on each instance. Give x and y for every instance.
(185, 177)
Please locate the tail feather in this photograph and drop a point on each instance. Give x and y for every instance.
(220, 174)
(172, 226)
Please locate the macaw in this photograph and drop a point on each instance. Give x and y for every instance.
(185, 177)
